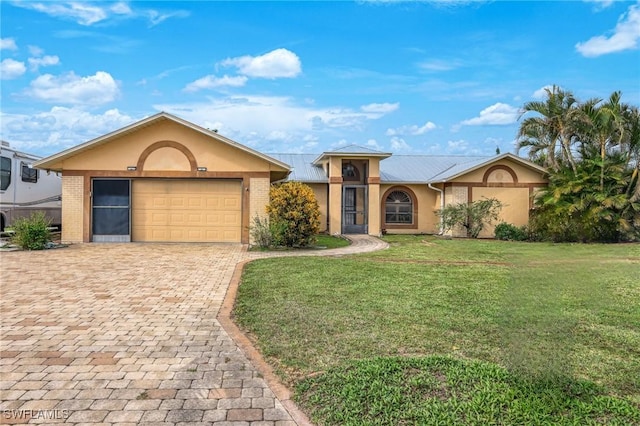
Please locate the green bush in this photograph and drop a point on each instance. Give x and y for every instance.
(508, 232)
(472, 216)
(295, 211)
(266, 233)
(32, 233)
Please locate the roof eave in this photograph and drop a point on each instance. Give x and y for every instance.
(489, 161)
(324, 155)
(45, 162)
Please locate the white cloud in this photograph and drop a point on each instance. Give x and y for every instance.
(413, 130)
(35, 50)
(212, 82)
(88, 14)
(8, 44)
(279, 63)
(456, 147)
(383, 108)
(51, 131)
(69, 88)
(10, 69)
(82, 13)
(494, 115)
(45, 61)
(541, 93)
(439, 65)
(624, 37)
(600, 4)
(121, 8)
(373, 144)
(156, 17)
(399, 144)
(249, 119)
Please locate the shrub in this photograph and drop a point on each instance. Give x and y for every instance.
(294, 209)
(32, 233)
(508, 232)
(266, 233)
(473, 216)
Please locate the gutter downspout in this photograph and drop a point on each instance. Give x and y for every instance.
(441, 191)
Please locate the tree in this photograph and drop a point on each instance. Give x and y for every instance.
(295, 211)
(605, 126)
(552, 128)
(473, 216)
(594, 188)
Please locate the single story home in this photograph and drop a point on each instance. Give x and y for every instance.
(165, 179)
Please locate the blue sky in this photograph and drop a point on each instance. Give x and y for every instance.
(430, 77)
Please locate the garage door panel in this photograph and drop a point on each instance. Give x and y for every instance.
(187, 210)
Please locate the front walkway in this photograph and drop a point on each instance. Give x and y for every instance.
(129, 334)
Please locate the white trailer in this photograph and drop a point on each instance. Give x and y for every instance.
(24, 189)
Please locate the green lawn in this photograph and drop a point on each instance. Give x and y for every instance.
(551, 316)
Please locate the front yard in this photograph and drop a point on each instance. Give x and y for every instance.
(438, 331)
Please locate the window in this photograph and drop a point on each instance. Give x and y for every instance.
(398, 208)
(29, 174)
(350, 172)
(5, 173)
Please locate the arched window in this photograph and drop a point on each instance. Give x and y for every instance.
(350, 172)
(398, 208)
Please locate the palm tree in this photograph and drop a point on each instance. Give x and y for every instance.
(631, 144)
(554, 124)
(606, 126)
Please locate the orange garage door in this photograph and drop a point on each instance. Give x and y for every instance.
(182, 210)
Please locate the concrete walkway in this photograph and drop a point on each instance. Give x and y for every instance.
(131, 334)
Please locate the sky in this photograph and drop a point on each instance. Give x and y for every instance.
(420, 77)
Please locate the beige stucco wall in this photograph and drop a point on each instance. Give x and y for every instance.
(125, 151)
(515, 208)
(428, 201)
(72, 209)
(321, 191)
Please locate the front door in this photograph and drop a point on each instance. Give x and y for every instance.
(111, 210)
(354, 209)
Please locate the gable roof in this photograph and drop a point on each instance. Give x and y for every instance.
(48, 162)
(463, 168)
(403, 168)
(351, 151)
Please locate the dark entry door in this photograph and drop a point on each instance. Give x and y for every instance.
(111, 210)
(354, 209)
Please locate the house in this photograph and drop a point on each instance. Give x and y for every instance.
(166, 179)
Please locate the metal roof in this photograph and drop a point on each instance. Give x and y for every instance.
(302, 167)
(420, 168)
(352, 151)
(401, 168)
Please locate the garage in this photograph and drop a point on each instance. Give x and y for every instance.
(186, 210)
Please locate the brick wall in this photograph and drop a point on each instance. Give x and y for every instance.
(258, 198)
(72, 208)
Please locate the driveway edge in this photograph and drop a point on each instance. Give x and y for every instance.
(252, 353)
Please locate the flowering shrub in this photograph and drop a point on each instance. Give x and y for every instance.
(294, 208)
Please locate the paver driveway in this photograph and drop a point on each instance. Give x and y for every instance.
(127, 333)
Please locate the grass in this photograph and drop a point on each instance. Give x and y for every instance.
(330, 242)
(548, 314)
(323, 241)
(447, 391)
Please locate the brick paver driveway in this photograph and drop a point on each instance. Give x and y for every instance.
(127, 333)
